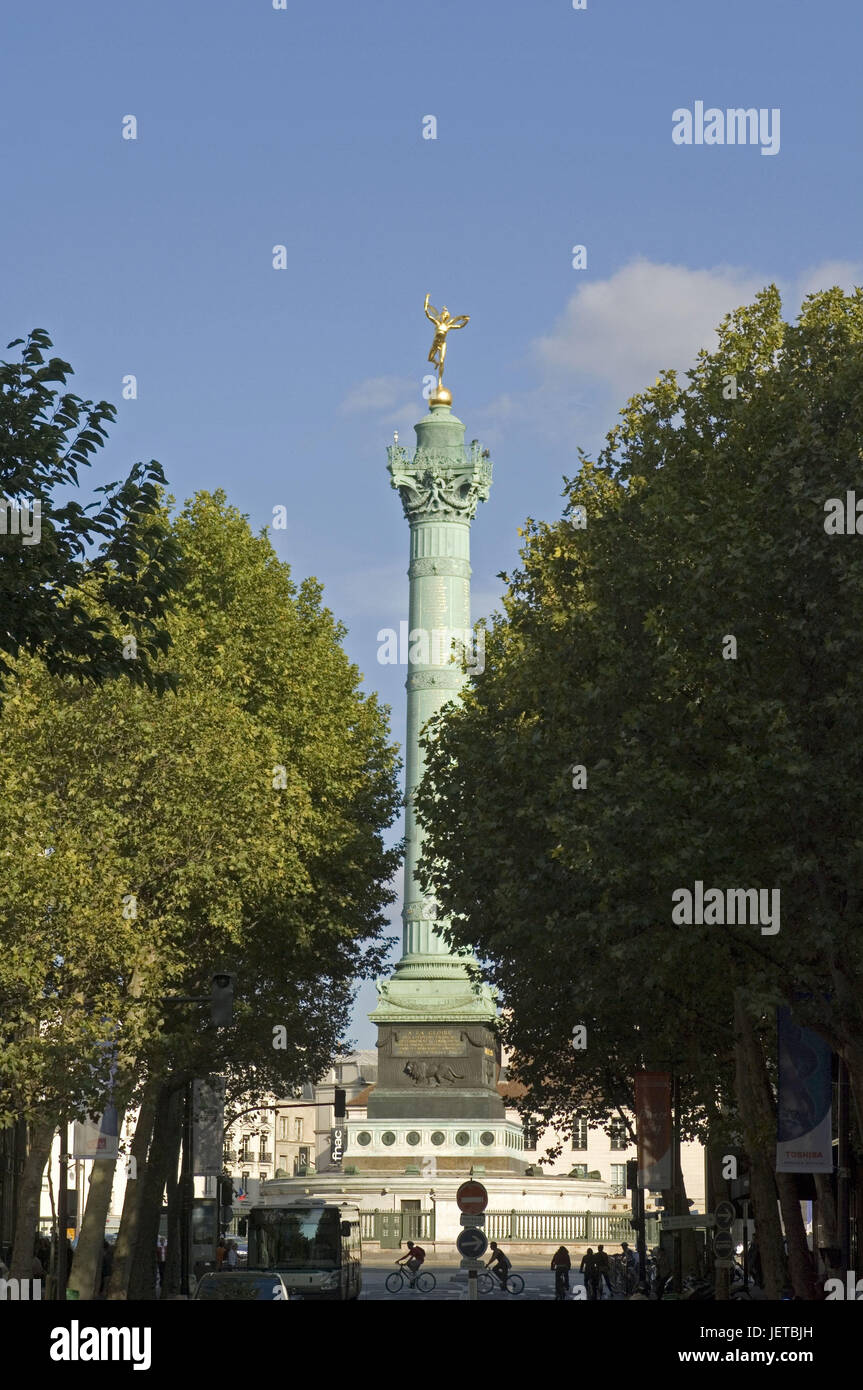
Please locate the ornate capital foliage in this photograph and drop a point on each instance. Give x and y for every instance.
(441, 485)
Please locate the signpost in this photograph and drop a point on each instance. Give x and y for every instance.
(472, 1200)
(681, 1223)
(723, 1245)
(472, 1243)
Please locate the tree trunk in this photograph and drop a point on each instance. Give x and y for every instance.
(86, 1275)
(171, 1268)
(799, 1259)
(41, 1137)
(162, 1159)
(758, 1121)
(124, 1249)
(826, 1198)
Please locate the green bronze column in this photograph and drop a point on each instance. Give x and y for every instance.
(440, 489)
(438, 1056)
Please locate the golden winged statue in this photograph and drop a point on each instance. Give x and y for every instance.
(443, 322)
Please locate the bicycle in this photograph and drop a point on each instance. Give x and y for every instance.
(622, 1276)
(423, 1281)
(485, 1282)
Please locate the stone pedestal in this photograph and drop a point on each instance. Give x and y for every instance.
(436, 1071)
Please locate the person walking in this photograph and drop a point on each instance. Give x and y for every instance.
(602, 1268)
(221, 1252)
(231, 1258)
(561, 1264)
(588, 1269)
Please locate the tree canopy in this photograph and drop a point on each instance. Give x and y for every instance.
(705, 520)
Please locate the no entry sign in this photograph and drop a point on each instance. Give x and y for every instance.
(471, 1198)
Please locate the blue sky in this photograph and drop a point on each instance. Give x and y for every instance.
(303, 127)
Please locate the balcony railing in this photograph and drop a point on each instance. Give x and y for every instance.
(230, 1155)
(265, 1157)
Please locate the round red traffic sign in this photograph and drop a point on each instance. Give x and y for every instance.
(471, 1198)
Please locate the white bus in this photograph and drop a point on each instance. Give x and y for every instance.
(313, 1244)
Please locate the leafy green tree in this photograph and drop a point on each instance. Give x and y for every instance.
(705, 521)
(119, 548)
(234, 825)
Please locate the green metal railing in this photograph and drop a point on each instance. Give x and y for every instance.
(391, 1228)
(546, 1227)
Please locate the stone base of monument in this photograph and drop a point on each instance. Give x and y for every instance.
(530, 1215)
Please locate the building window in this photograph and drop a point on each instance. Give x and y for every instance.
(245, 1153)
(298, 1129)
(283, 1162)
(531, 1134)
(618, 1179)
(619, 1139)
(579, 1133)
(263, 1175)
(579, 1170)
(284, 1131)
(244, 1180)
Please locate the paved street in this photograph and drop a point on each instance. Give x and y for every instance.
(452, 1286)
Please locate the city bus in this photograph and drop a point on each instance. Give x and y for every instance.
(314, 1244)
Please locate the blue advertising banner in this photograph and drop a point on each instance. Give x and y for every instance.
(804, 1141)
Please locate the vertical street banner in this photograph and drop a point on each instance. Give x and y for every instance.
(804, 1138)
(653, 1129)
(97, 1138)
(208, 1127)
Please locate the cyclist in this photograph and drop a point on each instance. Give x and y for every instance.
(412, 1260)
(561, 1264)
(501, 1262)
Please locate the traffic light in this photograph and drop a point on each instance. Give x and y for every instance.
(226, 1192)
(632, 1174)
(340, 1108)
(222, 1001)
(226, 1200)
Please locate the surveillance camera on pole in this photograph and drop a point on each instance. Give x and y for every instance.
(222, 1001)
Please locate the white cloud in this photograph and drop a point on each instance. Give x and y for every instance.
(622, 331)
(846, 274)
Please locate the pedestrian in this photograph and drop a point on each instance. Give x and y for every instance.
(602, 1268)
(561, 1264)
(630, 1260)
(231, 1257)
(221, 1252)
(588, 1269)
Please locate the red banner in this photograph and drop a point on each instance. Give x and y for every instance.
(653, 1129)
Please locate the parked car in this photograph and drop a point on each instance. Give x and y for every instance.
(242, 1286)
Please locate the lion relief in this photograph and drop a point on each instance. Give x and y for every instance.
(432, 1073)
